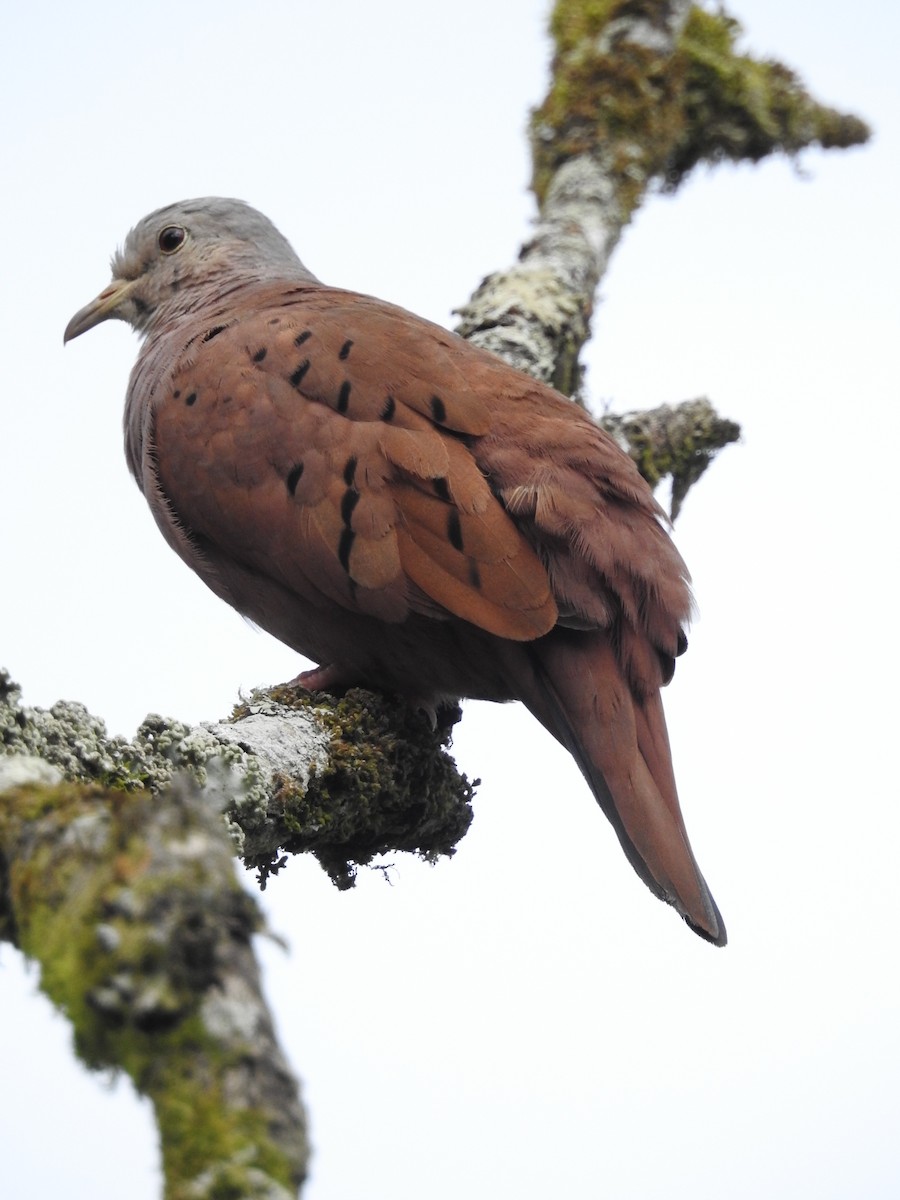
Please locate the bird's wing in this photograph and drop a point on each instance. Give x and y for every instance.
(322, 439)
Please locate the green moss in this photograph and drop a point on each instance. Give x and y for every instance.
(62, 900)
(389, 785)
(742, 108)
(609, 97)
(54, 896)
(202, 1135)
(680, 442)
(127, 944)
(651, 115)
(571, 23)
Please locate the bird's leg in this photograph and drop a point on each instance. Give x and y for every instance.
(326, 679)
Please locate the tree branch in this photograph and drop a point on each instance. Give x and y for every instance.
(117, 876)
(677, 440)
(142, 932)
(344, 780)
(642, 91)
(116, 869)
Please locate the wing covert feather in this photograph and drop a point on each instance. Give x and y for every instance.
(294, 461)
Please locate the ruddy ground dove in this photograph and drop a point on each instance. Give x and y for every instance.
(405, 509)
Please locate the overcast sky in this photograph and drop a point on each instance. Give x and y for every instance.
(525, 1020)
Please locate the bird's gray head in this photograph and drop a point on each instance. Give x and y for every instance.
(173, 258)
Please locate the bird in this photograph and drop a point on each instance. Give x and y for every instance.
(405, 509)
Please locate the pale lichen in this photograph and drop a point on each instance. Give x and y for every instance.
(343, 779)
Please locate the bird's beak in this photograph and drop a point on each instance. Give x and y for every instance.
(101, 308)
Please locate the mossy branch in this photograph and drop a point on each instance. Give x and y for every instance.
(653, 107)
(743, 109)
(117, 877)
(641, 92)
(143, 936)
(679, 441)
(344, 779)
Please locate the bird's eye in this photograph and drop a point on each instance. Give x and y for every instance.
(170, 239)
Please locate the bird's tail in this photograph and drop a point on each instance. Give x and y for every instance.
(579, 693)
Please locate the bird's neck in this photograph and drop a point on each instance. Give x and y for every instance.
(220, 292)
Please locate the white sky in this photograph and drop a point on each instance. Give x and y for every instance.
(524, 1020)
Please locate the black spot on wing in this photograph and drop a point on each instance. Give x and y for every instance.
(191, 399)
(344, 397)
(302, 337)
(350, 470)
(260, 354)
(390, 407)
(441, 489)
(349, 501)
(438, 409)
(344, 351)
(454, 531)
(296, 378)
(345, 545)
(293, 477)
(214, 332)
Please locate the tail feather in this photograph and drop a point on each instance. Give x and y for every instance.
(581, 696)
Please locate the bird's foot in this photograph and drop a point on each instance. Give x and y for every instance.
(426, 707)
(338, 677)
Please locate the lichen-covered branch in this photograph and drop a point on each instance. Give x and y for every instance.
(652, 88)
(609, 92)
(143, 935)
(117, 877)
(343, 779)
(676, 440)
(641, 92)
(383, 782)
(743, 109)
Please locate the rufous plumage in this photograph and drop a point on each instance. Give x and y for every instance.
(405, 509)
